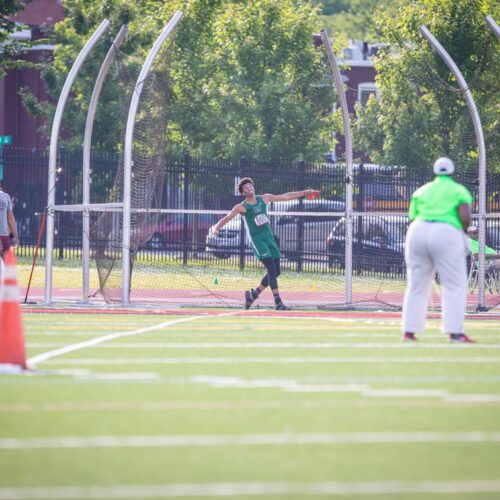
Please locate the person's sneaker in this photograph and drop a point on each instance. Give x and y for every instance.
(249, 300)
(460, 338)
(409, 337)
(281, 307)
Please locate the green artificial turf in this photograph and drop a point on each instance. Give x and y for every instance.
(319, 400)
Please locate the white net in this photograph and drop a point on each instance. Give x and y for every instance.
(148, 173)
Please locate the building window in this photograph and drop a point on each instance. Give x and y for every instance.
(365, 90)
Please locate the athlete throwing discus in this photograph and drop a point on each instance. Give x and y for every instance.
(254, 212)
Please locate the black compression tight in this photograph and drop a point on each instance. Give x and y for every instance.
(273, 271)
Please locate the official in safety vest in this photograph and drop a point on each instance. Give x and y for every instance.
(436, 241)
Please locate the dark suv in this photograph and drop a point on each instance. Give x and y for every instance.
(378, 243)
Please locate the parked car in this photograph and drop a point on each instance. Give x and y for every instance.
(378, 243)
(305, 235)
(287, 228)
(169, 231)
(228, 241)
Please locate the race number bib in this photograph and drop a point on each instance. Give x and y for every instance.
(261, 219)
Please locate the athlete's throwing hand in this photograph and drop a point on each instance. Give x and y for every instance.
(213, 232)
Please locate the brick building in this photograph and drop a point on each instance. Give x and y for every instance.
(14, 120)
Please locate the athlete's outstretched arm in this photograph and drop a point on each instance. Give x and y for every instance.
(292, 195)
(237, 209)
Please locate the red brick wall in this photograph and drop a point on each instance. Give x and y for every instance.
(14, 120)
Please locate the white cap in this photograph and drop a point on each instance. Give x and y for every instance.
(443, 166)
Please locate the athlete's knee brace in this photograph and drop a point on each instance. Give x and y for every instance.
(272, 274)
(277, 266)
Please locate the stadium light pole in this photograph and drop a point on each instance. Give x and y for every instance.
(339, 84)
(493, 26)
(127, 164)
(54, 137)
(478, 129)
(87, 143)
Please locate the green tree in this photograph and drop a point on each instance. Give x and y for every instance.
(422, 114)
(11, 50)
(251, 88)
(245, 76)
(330, 7)
(70, 35)
(355, 19)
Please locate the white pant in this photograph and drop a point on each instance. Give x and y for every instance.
(432, 246)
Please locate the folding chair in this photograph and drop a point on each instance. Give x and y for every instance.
(491, 276)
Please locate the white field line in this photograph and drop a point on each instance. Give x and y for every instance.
(431, 323)
(175, 406)
(363, 389)
(468, 400)
(257, 334)
(106, 338)
(237, 360)
(366, 330)
(178, 441)
(251, 489)
(257, 321)
(269, 345)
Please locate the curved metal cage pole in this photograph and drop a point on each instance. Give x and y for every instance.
(87, 142)
(339, 84)
(478, 129)
(129, 139)
(54, 137)
(490, 22)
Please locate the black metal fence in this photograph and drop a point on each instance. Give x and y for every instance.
(195, 183)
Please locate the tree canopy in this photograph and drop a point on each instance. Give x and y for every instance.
(355, 19)
(246, 79)
(422, 114)
(11, 50)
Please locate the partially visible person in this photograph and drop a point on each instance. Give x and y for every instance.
(436, 241)
(489, 253)
(7, 223)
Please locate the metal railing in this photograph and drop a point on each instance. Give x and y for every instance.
(207, 184)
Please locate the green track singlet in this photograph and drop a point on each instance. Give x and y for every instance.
(259, 230)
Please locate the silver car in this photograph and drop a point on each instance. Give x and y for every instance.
(305, 235)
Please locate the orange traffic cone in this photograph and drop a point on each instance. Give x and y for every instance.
(12, 352)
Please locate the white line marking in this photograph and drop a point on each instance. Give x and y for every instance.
(268, 345)
(292, 385)
(251, 489)
(114, 376)
(231, 405)
(168, 441)
(275, 383)
(235, 360)
(473, 398)
(105, 338)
